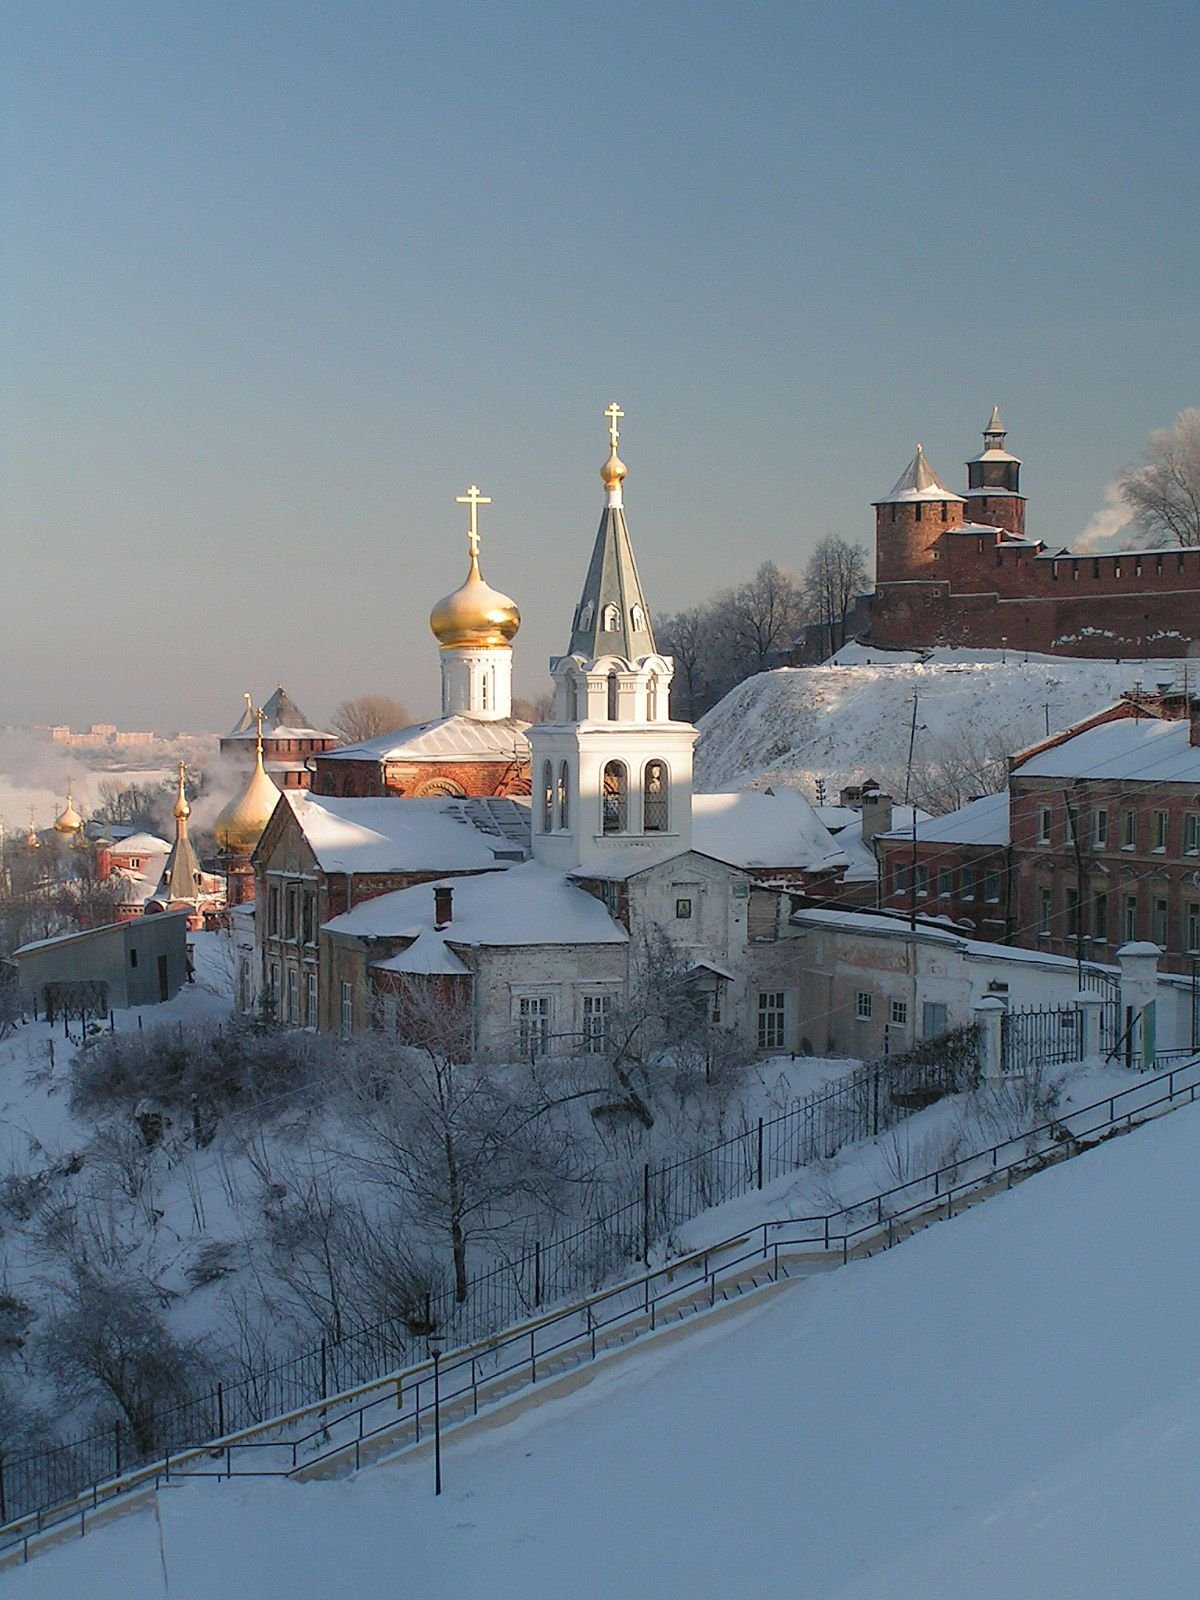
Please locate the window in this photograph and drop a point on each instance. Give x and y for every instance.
(611, 619)
(933, 1019)
(683, 909)
(547, 797)
(293, 996)
(596, 1008)
(616, 797)
(862, 1005)
(991, 886)
(900, 878)
(310, 917)
(1044, 824)
(273, 908)
(1100, 829)
(611, 893)
(533, 1024)
(967, 883)
(1191, 834)
(945, 883)
(1128, 830)
(564, 795)
(133, 958)
(1072, 824)
(612, 697)
(1159, 923)
(899, 1013)
(310, 1008)
(652, 698)
(1072, 912)
(1045, 912)
(922, 880)
(483, 691)
(1193, 927)
(1100, 918)
(1160, 831)
(654, 798)
(289, 913)
(1131, 917)
(918, 508)
(347, 1010)
(770, 1020)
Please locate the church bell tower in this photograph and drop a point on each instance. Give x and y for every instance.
(612, 770)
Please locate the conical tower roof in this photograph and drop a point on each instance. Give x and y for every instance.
(918, 481)
(181, 871)
(612, 617)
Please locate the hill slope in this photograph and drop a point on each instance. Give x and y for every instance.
(1006, 1406)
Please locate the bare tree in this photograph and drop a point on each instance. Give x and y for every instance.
(835, 573)
(684, 637)
(367, 716)
(1164, 490)
(754, 624)
(539, 709)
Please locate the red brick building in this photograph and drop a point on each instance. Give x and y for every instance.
(955, 868)
(958, 569)
(288, 742)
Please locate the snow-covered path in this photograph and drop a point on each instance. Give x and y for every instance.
(1003, 1406)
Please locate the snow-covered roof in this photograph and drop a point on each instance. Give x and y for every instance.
(750, 828)
(918, 481)
(617, 866)
(898, 927)
(529, 904)
(140, 844)
(390, 834)
(982, 821)
(836, 817)
(282, 719)
(1131, 749)
(455, 738)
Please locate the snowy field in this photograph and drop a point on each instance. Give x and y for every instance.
(1004, 1407)
(852, 719)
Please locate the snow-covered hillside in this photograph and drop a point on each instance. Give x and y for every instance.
(1004, 1407)
(852, 719)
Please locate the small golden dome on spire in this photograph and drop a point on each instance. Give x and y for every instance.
(474, 615)
(240, 823)
(68, 819)
(614, 471)
(181, 810)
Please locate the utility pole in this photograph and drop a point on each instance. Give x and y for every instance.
(912, 866)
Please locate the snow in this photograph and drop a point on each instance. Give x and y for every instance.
(848, 721)
(450, 738)
(751, 829)
(982, 821)
(1003, 1407)
(526, 905)
(389, 834)
(140, 844)
(1130, 749)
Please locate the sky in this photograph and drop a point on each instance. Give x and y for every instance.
(279, 280)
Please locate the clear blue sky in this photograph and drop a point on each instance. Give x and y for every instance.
(280, 280)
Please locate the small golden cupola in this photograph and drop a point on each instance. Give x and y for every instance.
(614, 471)
(475, 616)
(68, 819)
(240, 823)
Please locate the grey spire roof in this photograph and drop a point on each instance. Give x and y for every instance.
(181, 871)
(995, 425)
(918, 481)
(612, 617)
(280, 711)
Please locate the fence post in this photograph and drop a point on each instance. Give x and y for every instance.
(760, 1152)
(989, 1017)
(1138, 962)
(221, 1411)
(324, 1370)
(875, 1101)
(117, 1448)
(646, 1214)
(537, 1273)
(1090, 1005)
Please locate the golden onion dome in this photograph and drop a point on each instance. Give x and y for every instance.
(240, 824)
(475, 615)
(68, 819)
(614, 471)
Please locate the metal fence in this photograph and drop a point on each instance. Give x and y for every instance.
(1036, 1036)
(567, 1262)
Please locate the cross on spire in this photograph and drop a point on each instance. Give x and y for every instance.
(614, 415)
(474, 499)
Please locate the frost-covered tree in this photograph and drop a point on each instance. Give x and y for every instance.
(1163, 491)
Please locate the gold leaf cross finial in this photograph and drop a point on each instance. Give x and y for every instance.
(474, 499)
(614, 415)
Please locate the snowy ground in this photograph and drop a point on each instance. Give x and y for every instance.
(1004, 1407)
(851, 720)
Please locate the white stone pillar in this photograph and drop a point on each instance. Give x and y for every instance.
(1139, 991)
(1090, 1006)
(989, 1014)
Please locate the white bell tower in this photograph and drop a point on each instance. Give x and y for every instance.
(612, 770)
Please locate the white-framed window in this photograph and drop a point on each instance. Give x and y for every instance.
(564, 795)
(596, 1011)
(1045, 825)
(863, 1005)
(1192, 920)
(1131, 917)
(771, 1021)
(273, 983)
(1191, 834)
(898, 1013)
(347, 1009)
(1160, 832)
(1159, 922)
(967, 883)
(1045, 912)
(900, 877)
(922, 880)
(310, 1007)
(293, 996)
(547, 797)
(533, 1025)
(615, 799)
(1128, 830)
(654, 797)
(991, 886)
(1100, 828)
(1100, 918)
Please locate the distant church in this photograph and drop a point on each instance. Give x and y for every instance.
(958, 569)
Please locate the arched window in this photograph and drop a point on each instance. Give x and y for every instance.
(547, 797)
(655, 797)
(652, 698)
(616, 797)
(483, 690)
(611, 619)
(612, 697)
(564, 795)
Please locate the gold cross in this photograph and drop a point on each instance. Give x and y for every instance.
(474, 499)
(614, 415)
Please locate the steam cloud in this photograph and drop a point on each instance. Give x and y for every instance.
(1102, 532)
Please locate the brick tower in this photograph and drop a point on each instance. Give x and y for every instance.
(910, 520)
(994, 482)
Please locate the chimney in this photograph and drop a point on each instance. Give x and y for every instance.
(443, 912)
(876, 815)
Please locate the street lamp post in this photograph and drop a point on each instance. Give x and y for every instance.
(435, 1345)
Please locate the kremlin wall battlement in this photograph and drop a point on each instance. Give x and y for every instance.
(958, 570)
